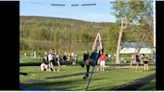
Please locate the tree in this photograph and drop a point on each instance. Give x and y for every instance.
(127, 12)
(112, 37)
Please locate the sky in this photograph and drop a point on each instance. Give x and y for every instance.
(95, 13)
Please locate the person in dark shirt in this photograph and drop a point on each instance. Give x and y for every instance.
(64, 58)
(138, 57)
(90, 60)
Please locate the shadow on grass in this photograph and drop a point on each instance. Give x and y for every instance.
(150, 86)
(60, 85)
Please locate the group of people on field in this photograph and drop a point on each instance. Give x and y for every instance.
(88, 59)
(140, 59)
(51, 57)
(66, 57)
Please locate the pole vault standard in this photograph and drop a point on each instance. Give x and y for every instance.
(94, 63)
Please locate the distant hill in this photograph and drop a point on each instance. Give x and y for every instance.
(49, 32)
(61, 22)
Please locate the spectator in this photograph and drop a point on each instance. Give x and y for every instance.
(115, 56)
(44, 65)
(25, 55)
(51, 51)
(102, 61)
(72, 54)
(125, 61)
(73, 59)
(58, 59)
(45, 55)
(39, 54)
(76, 57)
(146, 62)
(64, 57)
(142, 57)
(35, 54)
(68, 56)
(31, 55)
(154, 58)
(109, 57)
(50, 61)
(132, 61)
(138, 57)
(53, 58)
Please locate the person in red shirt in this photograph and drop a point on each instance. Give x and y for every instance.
(102, 61)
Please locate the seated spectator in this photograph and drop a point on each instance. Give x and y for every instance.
(43, 66)
(64, 58)
(125, 61)
(74, 58)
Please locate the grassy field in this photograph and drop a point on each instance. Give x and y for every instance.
(103, 81)
(42, 74)
(31, 61)
(148, 87)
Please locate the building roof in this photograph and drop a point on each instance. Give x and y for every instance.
(133, 45)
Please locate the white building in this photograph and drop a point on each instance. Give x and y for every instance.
(129, 47)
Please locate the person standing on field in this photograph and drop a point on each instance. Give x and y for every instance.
(35, 54)
(138, 57)
(132, 61)
(50, 61)
(24, 55)
(102, 61)
(146, 60)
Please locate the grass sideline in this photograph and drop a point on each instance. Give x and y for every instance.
(79, 52)
(31, 61)
(43, 74)
(149, 87)
(103, 81)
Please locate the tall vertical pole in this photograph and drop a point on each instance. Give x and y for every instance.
(154, 6)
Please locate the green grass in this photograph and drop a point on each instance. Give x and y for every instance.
(43, 74)
(103, 81)
(149, 87)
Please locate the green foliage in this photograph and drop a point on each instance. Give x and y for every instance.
(60, 32)
(133, 11)
(113, 33)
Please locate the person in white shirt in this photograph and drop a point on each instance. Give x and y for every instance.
(114, 55)
(50, 61)
(109, 57)
(35, 54)
(25, 55)
(42, 66)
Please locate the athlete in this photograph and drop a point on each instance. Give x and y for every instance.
(102, 61)
(132, 61)
(146, 62)
(90, 60)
